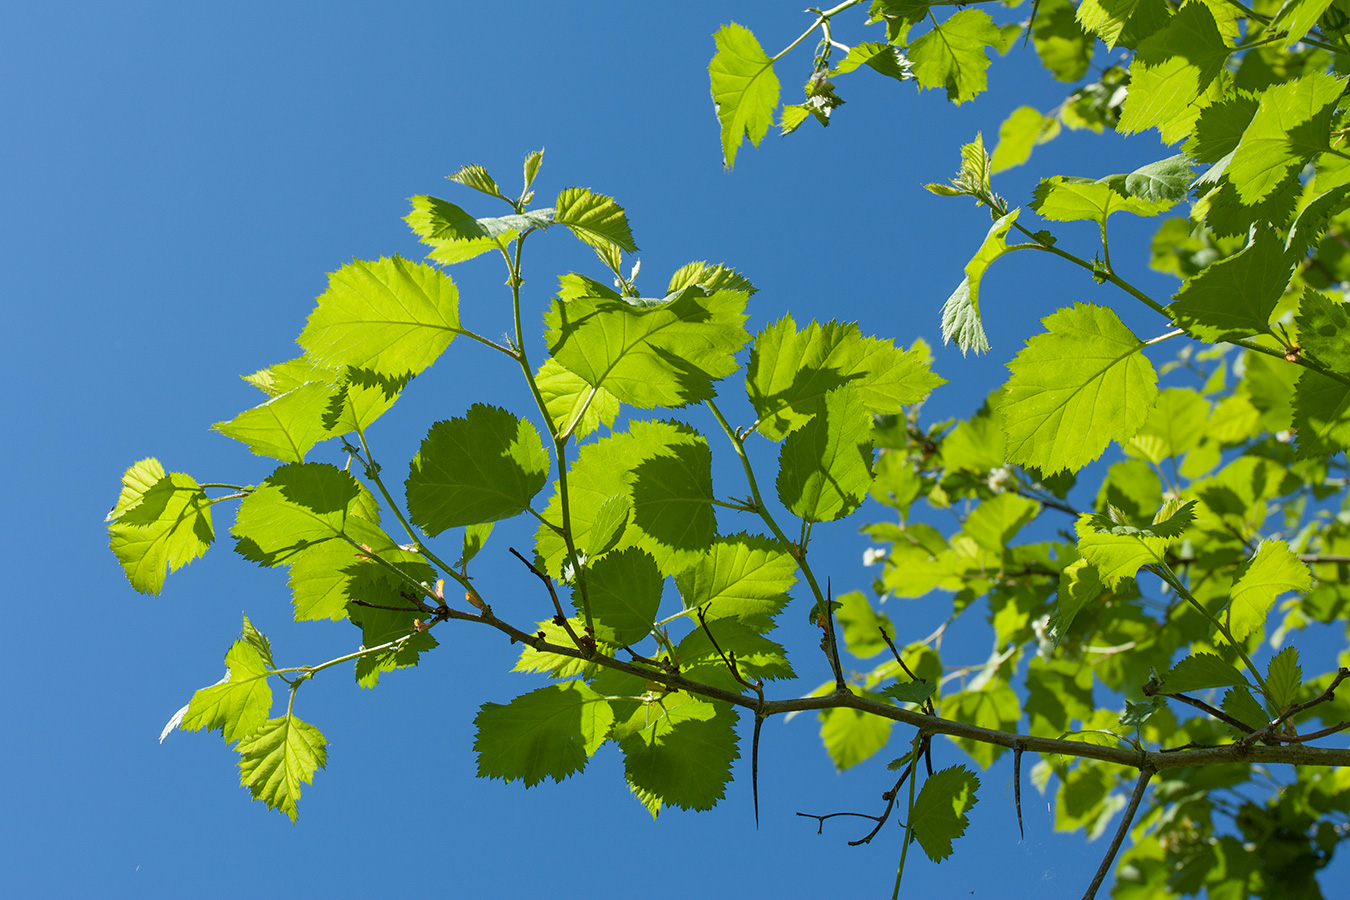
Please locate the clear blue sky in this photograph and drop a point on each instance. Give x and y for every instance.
(176, 179)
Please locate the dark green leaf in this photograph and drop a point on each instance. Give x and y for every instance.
(825, 467)
(1201, 672)
(625, 592)
(683, 758)
(939, 814)
(548, 733)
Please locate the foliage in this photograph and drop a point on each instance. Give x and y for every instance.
(1122, 596)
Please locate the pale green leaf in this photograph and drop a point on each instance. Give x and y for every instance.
(755, 656)
(240, 702)
(1064, 48)
(625, 592)
(1064, 198)
(993, 705)
(160, 523)
(952, 54)
(1079, 585)
(744, 88)
(862, 625)
(476, 177)
(277, 758)
(1118, 554)
(1023, 130)
(574, 405)
(1292, 123)
(745, 577)
(961, 312)
(1284, 677)
(1165, 181)
(710, 277)
(1272, 571)
(1172, 70)
(852, 736)
(286, 426)
(594, 218)
(879, 56)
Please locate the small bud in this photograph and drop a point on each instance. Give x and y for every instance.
(440, 589)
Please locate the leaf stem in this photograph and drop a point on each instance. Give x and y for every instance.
(909, 814)
(822, 16)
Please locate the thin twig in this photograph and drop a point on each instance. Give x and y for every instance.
(1017, 789)
(1329, 694)
(561, 619)
(1130, 810)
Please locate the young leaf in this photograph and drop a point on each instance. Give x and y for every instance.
(1201, 672)
(1171, 71)
(667, 354)
(1272, 571)
(952, 54)
(160, 523)
(790, 372)
(625, 592)
(910, 691)
(1079, 585)
(1024, 129)
(594, 218)
(1321, 415)
(1074, 389)
(1118, 555)
(825, 467)
(939, 814)
(1291, 125)
(990, 705)
(744, 89)
(391, 316)
(299, 505)
(712, 278)
(683, 758)
(961, 312)
(476, 177)
(1241, 705)
(745, 577)
(276, 758)
(286, 426)
(1064, 198)
(996, 521)
(880, 57)
(548, 733)
(482, 467)
(239, 703)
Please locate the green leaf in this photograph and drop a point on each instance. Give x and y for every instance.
(1165, 181)
(1241, 705)
(939, 814)
(391, 316)
(1065, 198)
(482, 467)
(286, 426)
(299, 505)
(1064, 48)
(1298, 17)
(625, 592)
(825, 467)
(790, 372)
(852, 736)
(664, 468)
(1074, 389)
(532, 163)
(711, 277)
(383, 626)
(667, 354)
(952, 54)
(1118, 554)
(1108, 19)
(1174, 426)
(1171, 72)
(1273, 570)
(744, 89)
(961, 312)
(456, 236)
(879, 56)
(996, 521)
(1201, 672)
(574, 405)
(1321, 415)
(1291, 125)
(594, 218)
(239, 703)
(1284, 677)
(1024, 129)
(745, 577)
(910, 691)
(683, 758)
(862, 625)
(276, 758)
(990, 705)
(160, 523)
(548, 733)
(1235, 297)
(1079, 585)
(756, 656)
(476, 177)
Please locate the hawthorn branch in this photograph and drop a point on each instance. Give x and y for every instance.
(1139, 786)
(553, 595)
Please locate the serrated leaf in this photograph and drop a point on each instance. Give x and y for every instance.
(666, 354)
(992, 705)
(1273, 570)
(482, 467)
(1201, 672)
(684, 757)
(380, 626)
(287, 426)
(1074, 389)
(756, 657)
(862, 625)
(1106, 18)
(825, 467)
(1079, 585)
(664, 468)
(1064, 48)
(299, 505)
(1321, 415)
(532, 164)
(1064, 198)
(1291, 125)
(852, 736)
(1241, 705)
(961, 312)
(1118, 555)
(625, 592)
(573, 404)
(160, 523)
(391, 316)
(1173, 68)
(611, 520)
(548, 733)
(744, 89)
(476, 177)
(790, 372)
(939, 813)
(880, 57)
(1284, 677)
(447, 227)
(745, 577)
(1165, 181)
(1234, 297)
(952, 54)
(710, 277)
(475, 536)
(594, 218)
(239, 703)
(910, 691)
(1024, 129)
(277, 758)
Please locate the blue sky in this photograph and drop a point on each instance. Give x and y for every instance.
(177, 181)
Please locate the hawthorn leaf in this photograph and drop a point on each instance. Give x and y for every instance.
(1108, 19)
(996, 521)
(1235, 297)
(1165, 181)
(476, 177)
(1061, 43)
(881, 57)
(1291, 125)
(1272, 571)
(952, 54)
(1065, 198)
(744, 89)
(548, 733)
(239, 703)
(1079, 585)
(1024, 129)
(862, 625)
(665, 354)
(1074, 389)
(160, 523)
(825, 467)
(910, 691)
(711, 277)
(299, 505)
(1118, 555)
(683, 757)
(287, 426)
(1201, 672)
(391, 316)
(482, 467)
(1321, 415)
(1172, 70)
(665, 470)
(1174, 426)
(625, 592)
(852, 736)
(384, 626)
(939, 813)
(594, 218)
(455, 236)
(743, 577)
(990, 705)
(277, 758)
(755, 656)
(1239, 704)
(961, 312)
(790, 372)
(574, 406)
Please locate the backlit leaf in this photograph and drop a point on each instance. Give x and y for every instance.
(744, 89)
(939, 814)
(952, 54)
(825, 467)
(1201, 672)
(961, 312)
(684, 756)
(547, 733)
(1272, 571)
(277, 758)
(161, 522)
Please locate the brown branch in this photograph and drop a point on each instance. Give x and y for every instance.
(1329, 694)
(829, 642)
(1209, 710)
(1111, 851)
(1017, 789)
(557, 607)
(421, 608)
